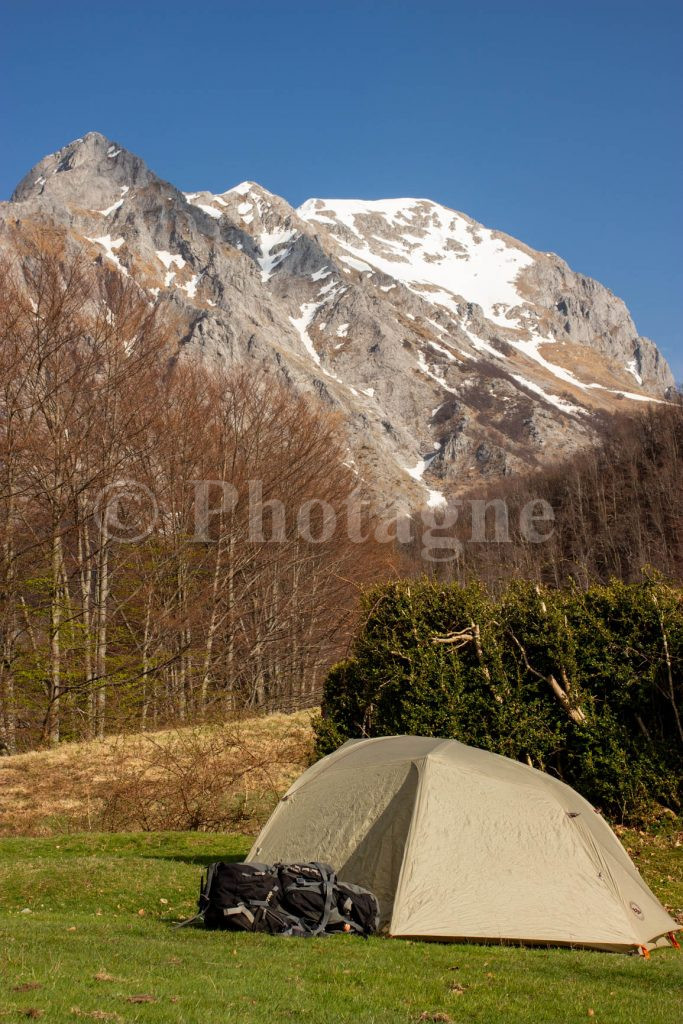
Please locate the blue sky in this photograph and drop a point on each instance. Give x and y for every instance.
(559, 123)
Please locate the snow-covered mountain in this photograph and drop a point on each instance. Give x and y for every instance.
(453, 351)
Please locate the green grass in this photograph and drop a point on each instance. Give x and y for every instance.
(86, 895)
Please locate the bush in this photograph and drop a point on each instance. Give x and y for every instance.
(585, 685)
(202, 778)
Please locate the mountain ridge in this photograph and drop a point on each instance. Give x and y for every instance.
(454, 352)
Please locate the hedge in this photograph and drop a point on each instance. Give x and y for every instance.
(583, 684)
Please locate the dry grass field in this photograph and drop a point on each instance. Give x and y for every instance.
(205, 778)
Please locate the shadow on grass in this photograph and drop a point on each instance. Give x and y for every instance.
(192, 858)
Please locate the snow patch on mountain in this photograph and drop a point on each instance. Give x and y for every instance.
(559, 403)
(479, 344)
(110, 209)
(243, 189)
(422, 363)
(109, 244)
(434, 498)
(302, 323)
(530, 348)
(271, 244)
(426, 246)
(190, 288)
(632, 368)
(169, 259)
(211, 210)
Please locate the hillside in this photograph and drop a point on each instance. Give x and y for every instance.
(209, 777)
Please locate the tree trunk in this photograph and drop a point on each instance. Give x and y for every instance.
(52, 721)
(101, 641)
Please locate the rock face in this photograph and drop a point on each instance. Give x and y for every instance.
(453, 351)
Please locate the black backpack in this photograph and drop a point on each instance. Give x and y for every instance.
(285, 899)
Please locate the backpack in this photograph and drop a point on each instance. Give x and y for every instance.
(285, 899)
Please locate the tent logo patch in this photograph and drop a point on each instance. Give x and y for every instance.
(636, 909)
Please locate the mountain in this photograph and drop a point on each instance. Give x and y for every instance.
(453, 351)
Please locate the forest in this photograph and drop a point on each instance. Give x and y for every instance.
(110, 435)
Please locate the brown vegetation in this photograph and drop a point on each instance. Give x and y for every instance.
(109, 435)
(213, 778)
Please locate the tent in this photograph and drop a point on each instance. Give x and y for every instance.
(459, 843)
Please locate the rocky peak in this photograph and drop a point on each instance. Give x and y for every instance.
(263, 222)
(87, 172)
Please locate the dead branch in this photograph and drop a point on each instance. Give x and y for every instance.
(670, 678)
(460, 639)
(576, 714)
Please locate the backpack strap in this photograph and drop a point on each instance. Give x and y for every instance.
(329, 878)
(203, 902)
(190, 920)
(241, 908)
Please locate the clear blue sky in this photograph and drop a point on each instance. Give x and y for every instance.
(558, 122)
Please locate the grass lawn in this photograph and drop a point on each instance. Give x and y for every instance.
(98, 944)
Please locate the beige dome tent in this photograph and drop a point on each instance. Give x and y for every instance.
(459, 843)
